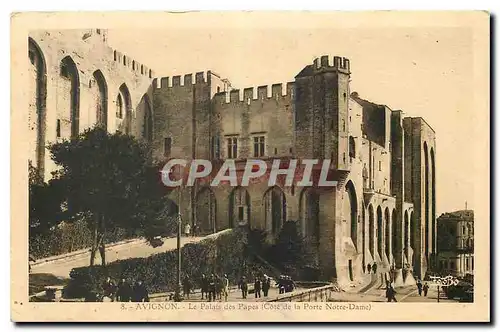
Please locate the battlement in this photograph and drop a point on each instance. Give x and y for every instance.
(262, 92)
(186, 80)
(133, 65)
(331, 62)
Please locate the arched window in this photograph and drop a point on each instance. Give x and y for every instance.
(124, 60)
(119, 107)
(114, 55)
(142, 70)
(69, 72)
(150, 73)
(37, 111)
(133, 64)
(101, 99)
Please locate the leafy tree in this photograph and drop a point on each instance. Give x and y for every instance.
(290, 251)
(45, 200)
(109, 181)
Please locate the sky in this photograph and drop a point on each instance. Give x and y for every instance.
(423, 72)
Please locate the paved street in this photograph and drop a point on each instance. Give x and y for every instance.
(139, 248)
(234, 296)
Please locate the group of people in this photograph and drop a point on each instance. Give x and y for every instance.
(421, 288)
(372, 267)
(213, 287)
(261, 286)
(125, 291)
(285, 284)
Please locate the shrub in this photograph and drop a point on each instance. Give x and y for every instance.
(223, 254)
(69, 237)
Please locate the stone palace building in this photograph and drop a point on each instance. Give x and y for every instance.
(383, 208)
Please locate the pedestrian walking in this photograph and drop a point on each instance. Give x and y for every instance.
(419, 287)
(218, 287)
(369, 268)
(266, 284)
(124, 292)
(204, 287)
(109, 289)
(426, 289)
(390, 293)
(211, 288)
(257, 287)
(225, 287)
(187, 229)
(140, 293)
(374, 267)
(242, 284)
(186, 285)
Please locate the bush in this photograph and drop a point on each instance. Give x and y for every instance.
(70, 237)
(224, 254)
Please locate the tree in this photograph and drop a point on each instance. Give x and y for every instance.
(109, 181)
(290, 251)
(45, 200)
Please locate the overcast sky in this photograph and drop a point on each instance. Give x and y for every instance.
(423, 72)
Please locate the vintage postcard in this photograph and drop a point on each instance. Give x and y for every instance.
(250, 167)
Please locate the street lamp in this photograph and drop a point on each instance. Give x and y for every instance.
(177, 294)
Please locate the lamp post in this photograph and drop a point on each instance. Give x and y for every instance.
(177, 294)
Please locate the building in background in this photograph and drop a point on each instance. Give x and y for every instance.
(456, 242)
(382, 210)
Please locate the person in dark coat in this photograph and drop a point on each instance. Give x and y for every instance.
(109, 288)
(419, 287)
(204, 287)
(140, 293)
(374, 267)
(426, 289)
(257, 287)
(242, 284)
(211, 288)
(186, 285)
(124, 292)
(390, 293)
(369, 268)
(266, 285)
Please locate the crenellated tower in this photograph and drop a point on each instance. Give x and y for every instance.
(321, 105)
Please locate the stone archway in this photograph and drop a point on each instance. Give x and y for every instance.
(239, 207)
(380, 231)
(206, 211)
(387, 231)
(69, 73)
(37, 112)
(101, 98)
(426, 238)
(147, 128)
(309, 216)
(124, 110)
(350, 212)
(371, 230)
(396, 238)
(275, 210)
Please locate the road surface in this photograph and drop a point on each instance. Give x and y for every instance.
(140, 248)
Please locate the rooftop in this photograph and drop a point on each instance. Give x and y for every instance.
(458, 215)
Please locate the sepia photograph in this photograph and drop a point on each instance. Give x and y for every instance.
(260, 166)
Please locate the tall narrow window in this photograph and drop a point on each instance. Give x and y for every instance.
(232, 147)
(379, 165)
(167, 147)
(58, 128)
(215, 147)
(119, 107)
(241, 213)
(259, 144)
